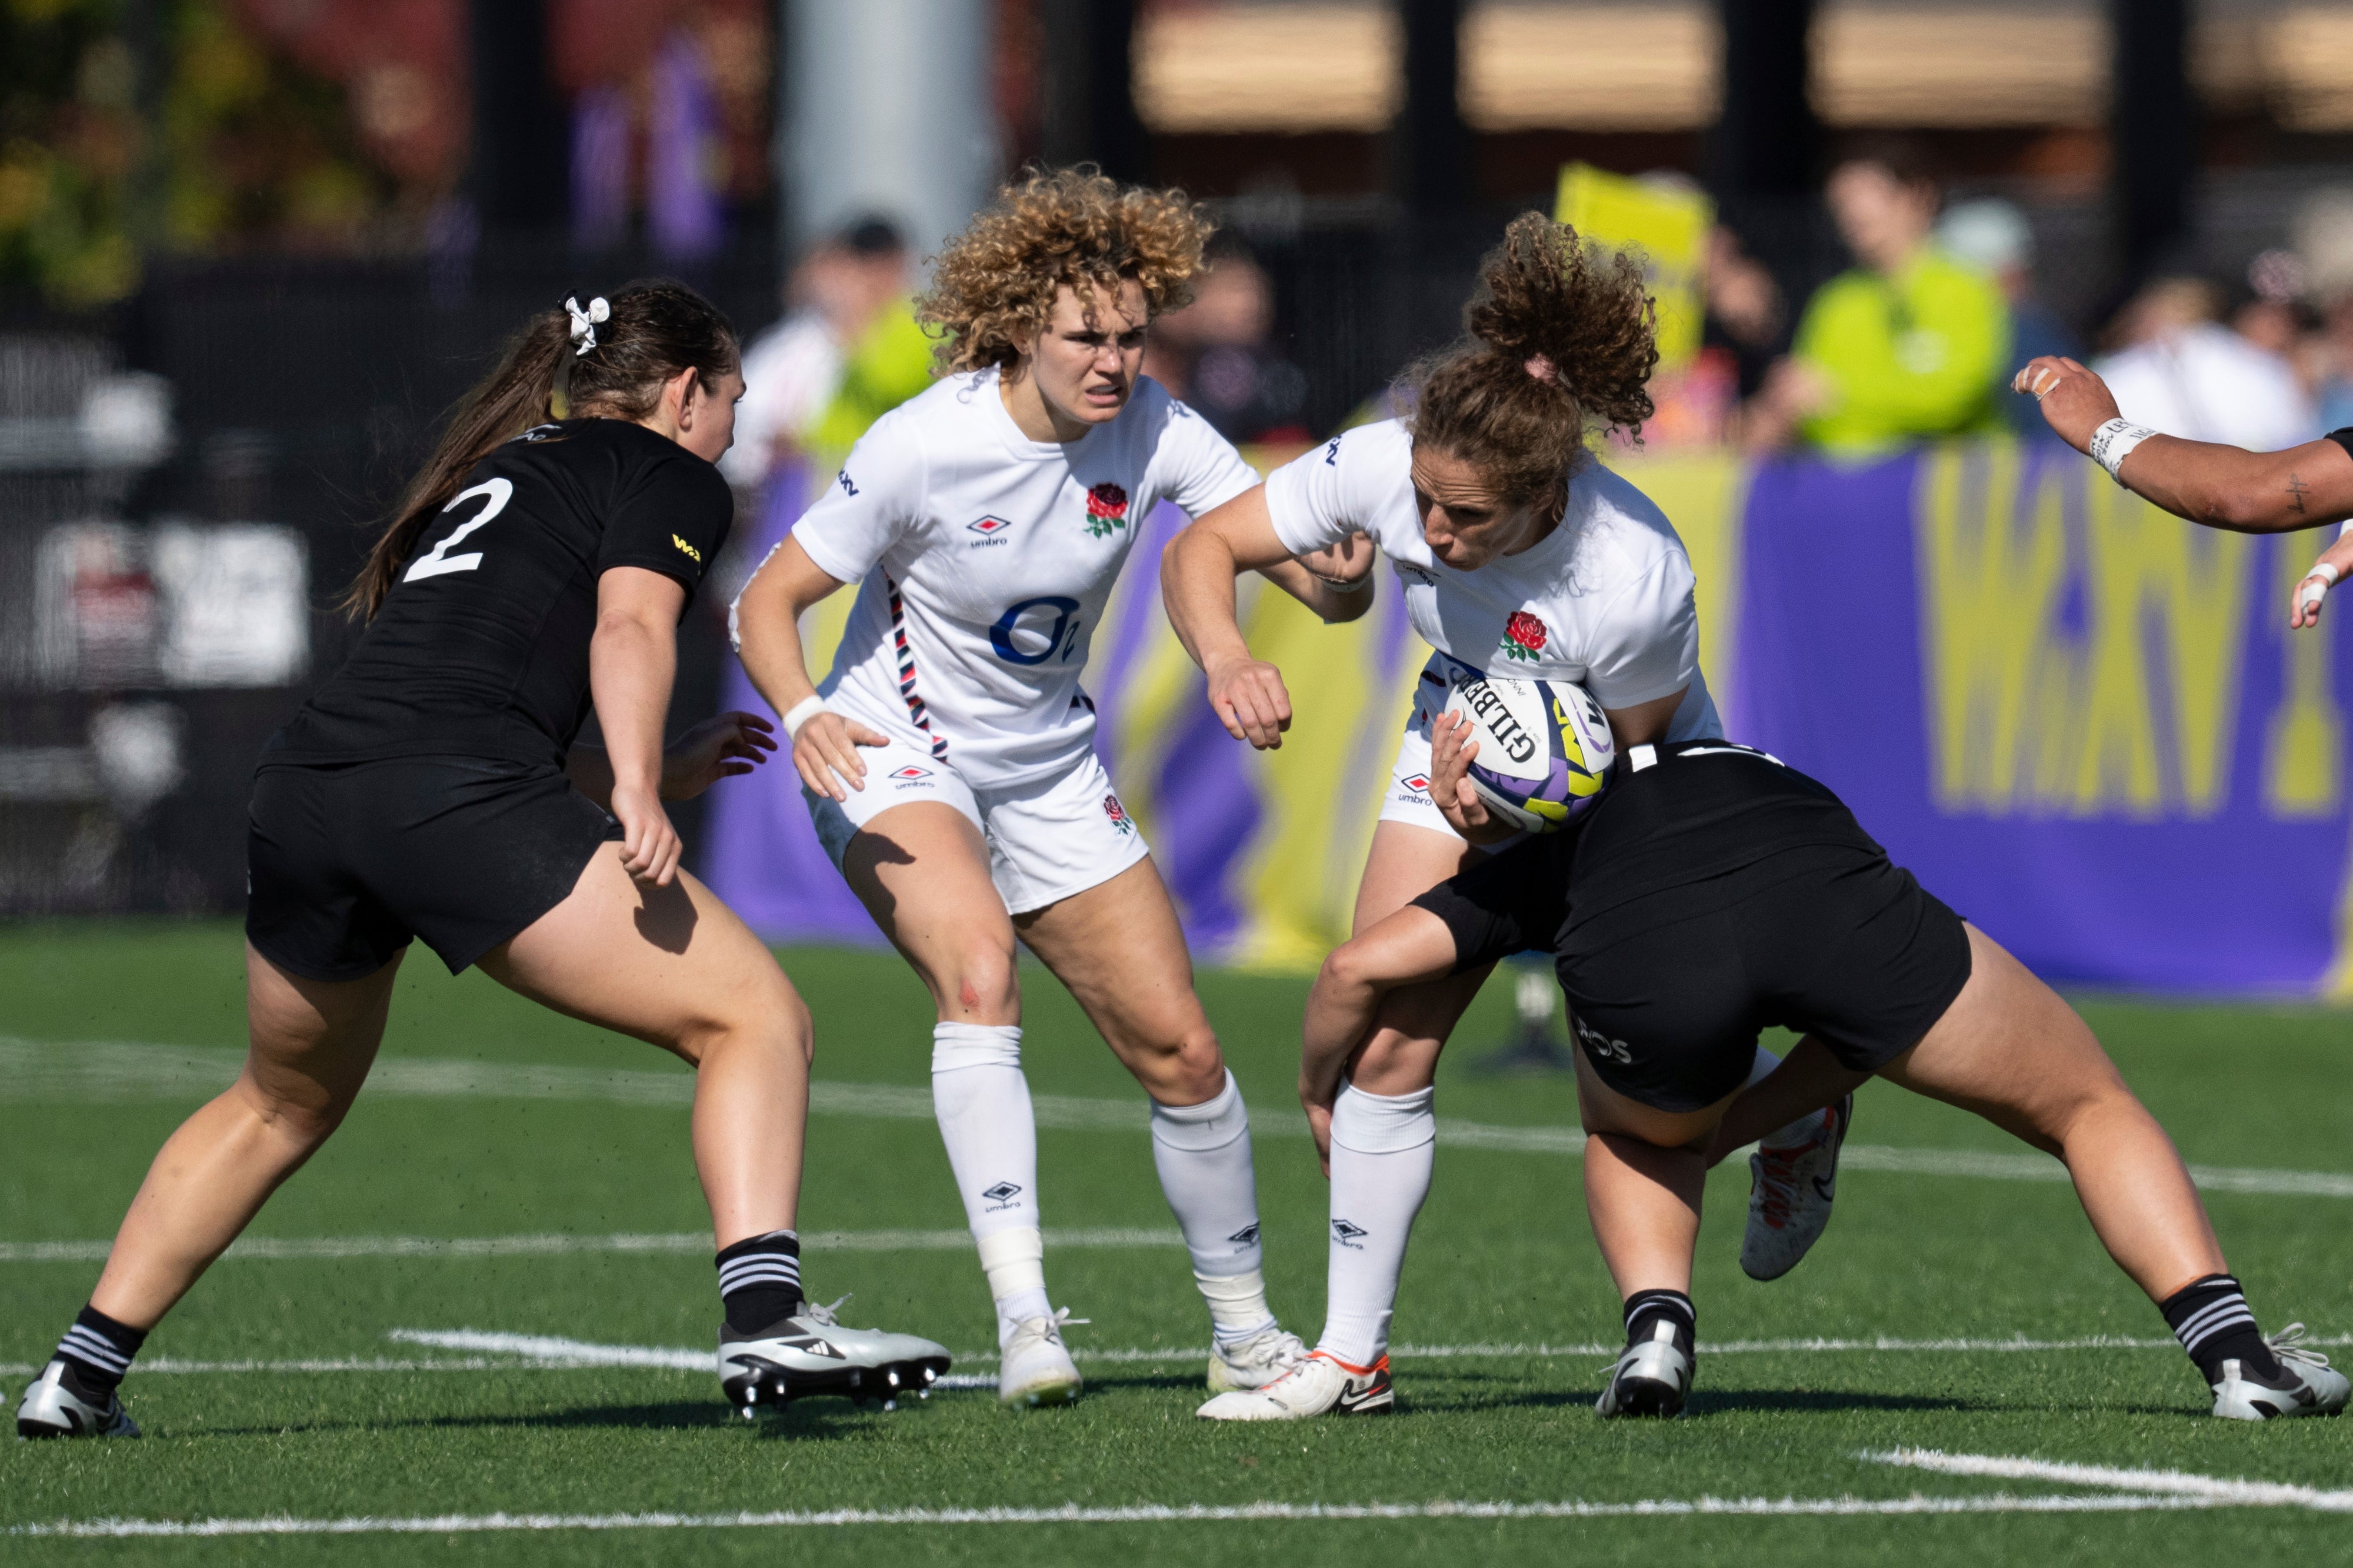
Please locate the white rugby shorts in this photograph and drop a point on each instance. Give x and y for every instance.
(1408, 796)
(1047, 839)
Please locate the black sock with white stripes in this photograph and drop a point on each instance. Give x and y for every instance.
(760, 1281)
(1646, 1309)
(2210, 1319)
(99, 1350)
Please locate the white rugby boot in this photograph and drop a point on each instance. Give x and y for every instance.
(57, 1405)
(810, 1353)
(1319, 1384)
(1034, 1367)
(1255, 1362)
(1790, 1195)
(2308, 1384)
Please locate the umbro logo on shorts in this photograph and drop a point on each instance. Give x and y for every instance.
(1349, 1233)
(1418, 783)
(1002, 1191)
(909, 774)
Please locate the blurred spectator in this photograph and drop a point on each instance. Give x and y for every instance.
(1214, 354)
(2323, 245)
(1992, 236)
(1745, 311)
(793, 371)
(1909, 345)
(2180, 372)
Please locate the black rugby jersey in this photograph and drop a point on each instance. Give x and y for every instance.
(481, 647)
(1684, 820)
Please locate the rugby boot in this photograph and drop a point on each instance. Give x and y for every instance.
(810, 1353)
(2307, 1385)
(1255, 1362)
(1789, 1192)
(57, 1403)
(1034, 1367)
(1651, 1377)
(1319, 1384)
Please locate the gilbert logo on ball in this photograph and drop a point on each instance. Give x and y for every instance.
(1544, 747)
(1106, 509)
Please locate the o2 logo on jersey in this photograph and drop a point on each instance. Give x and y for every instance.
(437, 562)
(1106, 509)
(1027, 620)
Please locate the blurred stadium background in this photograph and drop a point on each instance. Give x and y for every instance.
(250, 250)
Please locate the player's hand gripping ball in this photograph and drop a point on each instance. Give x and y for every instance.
(1545, 748)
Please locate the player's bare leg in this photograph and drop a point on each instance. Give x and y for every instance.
(675, 967)
(1119, 948)
(310, 1044)
(921, 870)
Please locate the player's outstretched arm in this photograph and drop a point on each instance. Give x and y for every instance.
(1196, 584)
(1336, 582)
(1408, 947)
(2218, 486)
(767, 621)
(720, 747)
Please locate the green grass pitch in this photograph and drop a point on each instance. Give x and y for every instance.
(1502, 1289)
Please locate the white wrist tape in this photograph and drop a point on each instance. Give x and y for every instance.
(807, 708)
(2112, 443)
(2316, 585)
(2344, 527)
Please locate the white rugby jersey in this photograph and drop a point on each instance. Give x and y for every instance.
(1604, 599)
(984, 559)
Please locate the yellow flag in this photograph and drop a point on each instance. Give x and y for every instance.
(1664, 226)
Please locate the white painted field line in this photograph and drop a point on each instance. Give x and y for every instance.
(111, 1070)
(1142, 1513)
(269, 1249)
(2166, 1483)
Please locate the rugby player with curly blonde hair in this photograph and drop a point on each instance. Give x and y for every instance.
(948, 759)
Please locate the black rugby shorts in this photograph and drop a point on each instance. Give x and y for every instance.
(345, 865)
(1670, 991)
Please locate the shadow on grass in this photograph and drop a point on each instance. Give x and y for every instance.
(802, 1418)
(1703, 1402)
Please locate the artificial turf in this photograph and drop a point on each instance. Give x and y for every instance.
(1501, 1259)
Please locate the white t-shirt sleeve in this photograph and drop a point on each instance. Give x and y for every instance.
(1197, 467)
(1330, 492)
(1646, 645)
(872, 503)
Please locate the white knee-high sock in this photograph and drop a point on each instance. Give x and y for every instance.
(1203, 1155)
(983, 1105)
(1383, 1150)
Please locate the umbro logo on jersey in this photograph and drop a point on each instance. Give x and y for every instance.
(992, 531)
(911, 772)
(1426, 578)
(691, 553)
(1349, 1233)
(1418, 783)
(842, 478)
(1001, 1192)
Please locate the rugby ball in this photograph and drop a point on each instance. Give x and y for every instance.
(1545, 748)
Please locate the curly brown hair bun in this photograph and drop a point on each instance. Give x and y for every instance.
(1073, 227)
(1561, 342)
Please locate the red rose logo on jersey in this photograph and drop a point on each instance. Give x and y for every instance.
(1106, 509)
(1524, 635)
(1118, 814)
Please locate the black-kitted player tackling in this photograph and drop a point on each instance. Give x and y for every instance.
(1713, 891)
(432, 788)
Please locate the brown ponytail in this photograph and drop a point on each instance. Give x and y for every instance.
(657, 328)
(1561, 342)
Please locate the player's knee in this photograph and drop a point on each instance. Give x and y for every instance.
(981, 986)
(1183, 1069)
(302, 1118)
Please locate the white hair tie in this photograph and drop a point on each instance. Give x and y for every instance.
(584, 322)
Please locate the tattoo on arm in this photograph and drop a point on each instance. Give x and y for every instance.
(2297, 489)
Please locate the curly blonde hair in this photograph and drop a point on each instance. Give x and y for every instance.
(1073, 227)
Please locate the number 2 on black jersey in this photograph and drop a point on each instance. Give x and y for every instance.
(438, 560)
